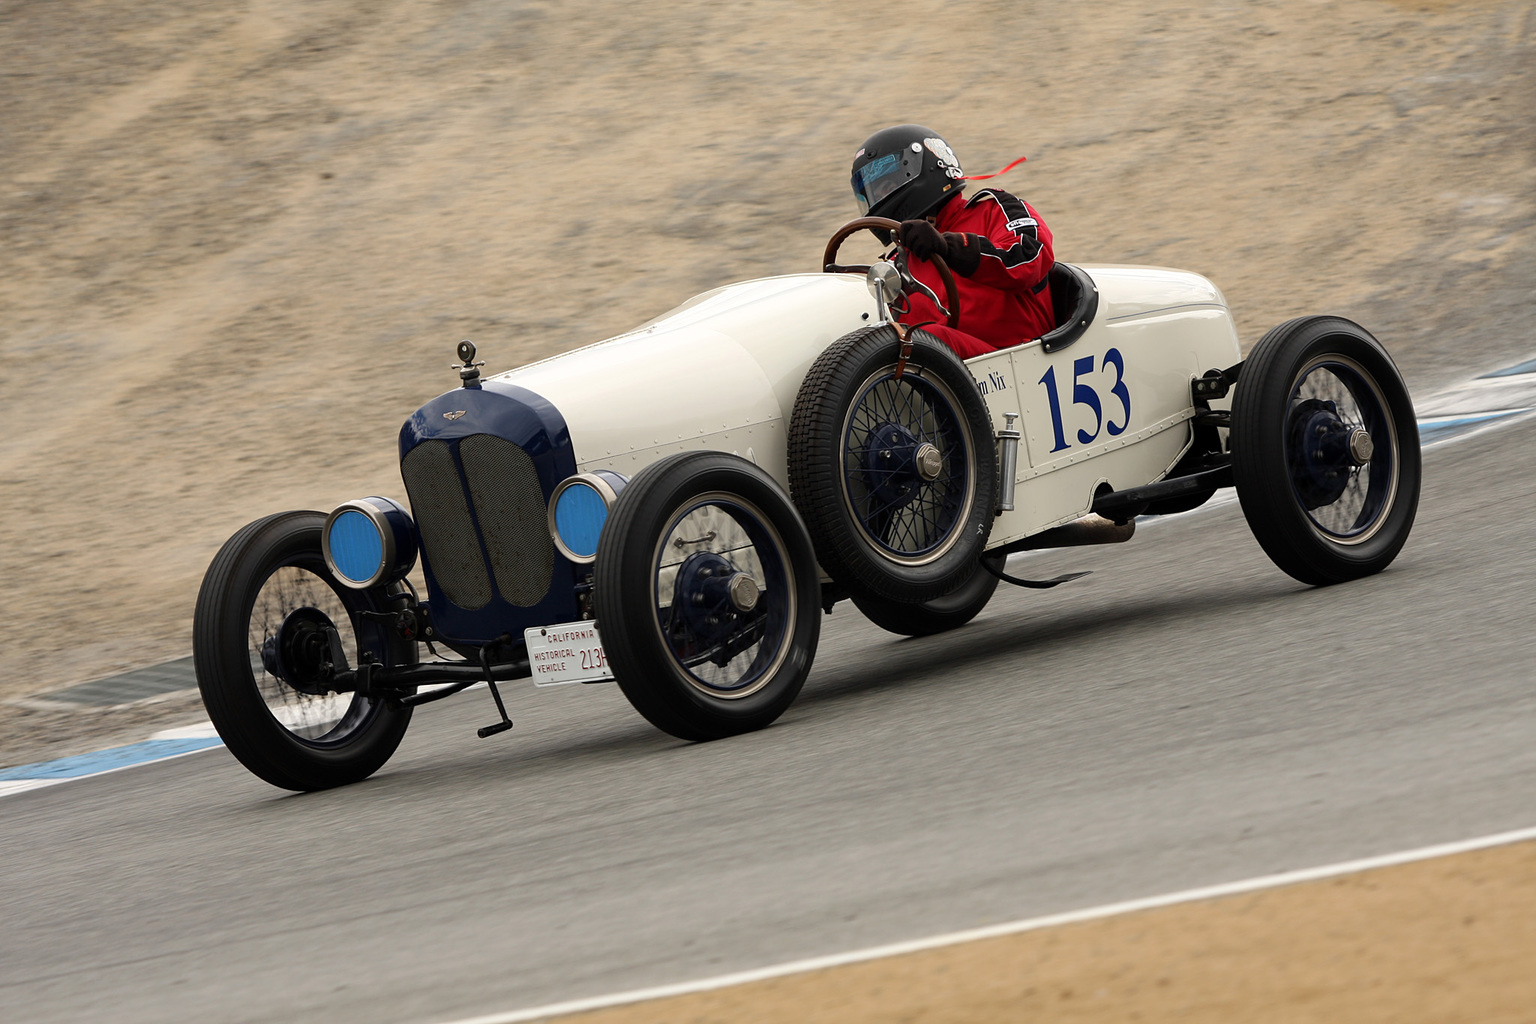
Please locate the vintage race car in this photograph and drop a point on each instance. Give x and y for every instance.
(674, 508)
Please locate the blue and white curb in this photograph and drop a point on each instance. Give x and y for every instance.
(1435, 429)
(159, 747)
(1495, 399)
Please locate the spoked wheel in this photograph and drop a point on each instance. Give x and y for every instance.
(894, 474)
(707, 596)
(272, 627)
(940, 615)
(1325, 450)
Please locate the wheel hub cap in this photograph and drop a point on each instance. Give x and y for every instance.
(1361, 447)
(929, 462)
(744, 592)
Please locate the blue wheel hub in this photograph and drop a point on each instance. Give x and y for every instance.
(1319, 448)
(301, 652)
(904, 464)
(713, 599)
(890, 466)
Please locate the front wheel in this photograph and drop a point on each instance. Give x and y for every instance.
(1325, 450)
(272, 625)
(707, 596)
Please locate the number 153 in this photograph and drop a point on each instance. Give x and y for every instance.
(1084, 394)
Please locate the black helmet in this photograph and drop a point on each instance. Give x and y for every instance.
(905, 172)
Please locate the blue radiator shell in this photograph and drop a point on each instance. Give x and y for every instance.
(533, 424)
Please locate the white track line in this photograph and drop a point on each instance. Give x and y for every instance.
(996, 930)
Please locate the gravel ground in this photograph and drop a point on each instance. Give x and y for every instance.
(239, 241)
(1337, 950)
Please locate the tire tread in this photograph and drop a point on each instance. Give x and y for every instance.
(1263, 485)
(815, 467)
(236, 708)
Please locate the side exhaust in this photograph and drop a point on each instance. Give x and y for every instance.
(1091, 529)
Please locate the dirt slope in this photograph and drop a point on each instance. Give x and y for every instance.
(238, 242)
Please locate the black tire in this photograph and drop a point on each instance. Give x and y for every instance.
(893, 534)
(1325, 450)
(295, 740)
(940, 615)
(698, 666)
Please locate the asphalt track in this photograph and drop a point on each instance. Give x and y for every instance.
(1183, 717)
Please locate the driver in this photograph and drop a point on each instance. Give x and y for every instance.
(996, 244)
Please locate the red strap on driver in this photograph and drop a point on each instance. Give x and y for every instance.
(996, 174)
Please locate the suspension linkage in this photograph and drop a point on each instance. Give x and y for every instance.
(396, 681)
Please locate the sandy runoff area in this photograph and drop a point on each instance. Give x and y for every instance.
(1444, 940)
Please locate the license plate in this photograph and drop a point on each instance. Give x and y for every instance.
(570, 652)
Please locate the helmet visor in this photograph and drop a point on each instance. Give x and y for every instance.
(882, 176)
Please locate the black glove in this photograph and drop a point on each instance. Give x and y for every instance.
(923, 240)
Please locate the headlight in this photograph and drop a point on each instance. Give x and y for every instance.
(578, 508)
(369, 542)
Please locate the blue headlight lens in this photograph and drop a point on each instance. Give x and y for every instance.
(579, 516)
(357, 547)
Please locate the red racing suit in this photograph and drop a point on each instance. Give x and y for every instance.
(1001, 277)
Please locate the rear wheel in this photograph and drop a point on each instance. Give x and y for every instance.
(1325, 450)
(940, 615)
(271, 625)
(707, 596)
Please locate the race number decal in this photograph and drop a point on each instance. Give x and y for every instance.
(1084, 394)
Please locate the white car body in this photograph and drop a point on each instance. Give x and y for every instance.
(707, 576)
(722, 371)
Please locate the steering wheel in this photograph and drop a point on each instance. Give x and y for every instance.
(886, 224)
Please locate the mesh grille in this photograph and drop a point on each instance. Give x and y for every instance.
(511, 508)
(447, 533)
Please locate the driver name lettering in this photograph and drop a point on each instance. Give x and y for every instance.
(994, 381)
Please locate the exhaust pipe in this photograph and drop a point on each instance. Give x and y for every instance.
(1091, 529)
